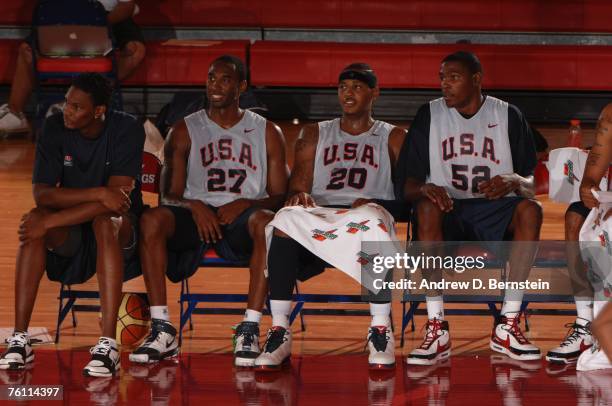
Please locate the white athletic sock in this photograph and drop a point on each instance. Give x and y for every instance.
(514, 305)
(598, 306)
(435, 307)
(252, 315)
(380, 314)
(160, 313)
(280, 310)
(582, 322)
(584, 308)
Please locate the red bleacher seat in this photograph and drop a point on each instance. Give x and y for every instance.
(183, 62)
(100, 65)
(524, 67)
(16, 12)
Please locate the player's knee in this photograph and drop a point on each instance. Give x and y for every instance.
(151, 224)
(258, 221)
(105, 226)
(25, 52)
(135, 50)
(429, 216)
(530, 213)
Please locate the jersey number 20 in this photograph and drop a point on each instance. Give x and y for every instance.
(356, 178)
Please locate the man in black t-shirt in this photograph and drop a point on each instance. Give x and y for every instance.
(467, 165)
(87, 194)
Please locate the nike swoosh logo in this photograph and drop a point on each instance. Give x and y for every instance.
(170, 342)
(246, 131)
(492, 125)
(583, 346)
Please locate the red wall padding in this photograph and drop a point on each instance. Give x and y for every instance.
(183, 64)
(525, 67)
(475, 15)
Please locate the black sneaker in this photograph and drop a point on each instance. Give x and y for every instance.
(105, 360)
(19, 352)
(162, 343)
(246, 344)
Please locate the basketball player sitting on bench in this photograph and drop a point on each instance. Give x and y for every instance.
(468, 168)
(87, 162)
(225, 171)
(345, 162)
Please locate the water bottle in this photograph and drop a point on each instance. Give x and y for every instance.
(575, 134)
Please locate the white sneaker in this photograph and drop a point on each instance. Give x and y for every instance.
(11, 122)
(593, 359)
(381, 346)
(435, 347)
(246, 344)
(18, 353)
(160, 344)
(276, 351)
(507, 338)
(105, 359)
(577, 340)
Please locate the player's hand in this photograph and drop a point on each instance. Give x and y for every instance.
(32, 227)
(116, 198)
(438, 195)
(300, 199)
(206, 221)
(361, 202)
(499, 186)
(586, 194)
(230, 211)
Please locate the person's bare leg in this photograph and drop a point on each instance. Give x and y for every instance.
(130, 56)
(525, 227)
(111, 235)
(575, 265)
(258, 285)
(156, 226)
(30, 266)
(23, 80)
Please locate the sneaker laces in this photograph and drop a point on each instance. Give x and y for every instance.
(378, 337)
(275, 338)
(433, 326)
(512, 326)
(575, 332)
(17, 340)
(247, 332)
(155, 333)
(102, 348)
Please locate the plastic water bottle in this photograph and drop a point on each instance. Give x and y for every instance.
(575, 134)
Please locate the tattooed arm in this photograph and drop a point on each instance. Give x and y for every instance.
(300, 182)
(599, 158)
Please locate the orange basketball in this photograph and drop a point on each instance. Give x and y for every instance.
(132, 320)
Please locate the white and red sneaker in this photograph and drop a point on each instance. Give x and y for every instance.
(507, 338)
(276, 351)
(435, 347)
(577, 340)
(381, 345)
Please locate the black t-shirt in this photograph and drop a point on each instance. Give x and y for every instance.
(66, 159)
(413, 161)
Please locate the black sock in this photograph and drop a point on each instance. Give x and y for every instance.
(282, 267)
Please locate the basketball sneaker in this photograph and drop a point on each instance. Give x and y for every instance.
(18, 353)
(161, 343)
(381, 345)
(246, 344)
(592, 359)
(435, 347)
(105, 359)
(11, 122)
(577, 340)
(276, 351)
(507, 338)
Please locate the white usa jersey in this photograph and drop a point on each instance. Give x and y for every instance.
(466, 151)
(348, 167)
(226, 164)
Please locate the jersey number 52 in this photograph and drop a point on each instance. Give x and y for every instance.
(461, 180)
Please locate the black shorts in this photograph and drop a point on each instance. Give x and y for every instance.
(580, 208)
(126, 31)
(477, 219)
(185, 248)
(74, 261)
